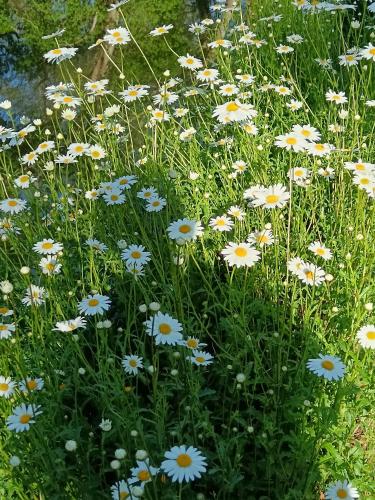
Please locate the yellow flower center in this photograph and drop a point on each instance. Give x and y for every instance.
(342, 493)
(165, 329)
(95, 154)
(4, 310)
(184, 460)
(136, 254)
(320, 251)
(78, 149)
(50, 266)
(189, 60)
(4, 387)
(123, 494)
(371, 335)
(114, 197)
(199, 359)
(298, 173)
(24, 178)
(56, 51)
(31, 385)
(143, 475)
(12, 203)
(291, 140)
(220, 42)
(47, 245)
(328, 365)
(364, 181)
(319, 147)
(93, 302)
(192, 343)
(372, 51)
(272, 198)
(306, 133)
(220, 222)
(185, 228)
(232, 106)
(116, 34)
(262, 238)
(309, 275)
(207, 72)
(133, 363)
(133, 93)
(241, 252)
(3, 328)
(24, 419)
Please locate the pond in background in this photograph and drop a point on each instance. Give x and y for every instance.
(24, 75)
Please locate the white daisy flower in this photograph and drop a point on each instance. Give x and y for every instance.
(135, 254)
(12, 205)
(50, 265)
(262, 238)
(47, 247)
(6, 330)
(341, 490)
(31, 385)
(161, 30)
(208, 75)
(291, 142)
(272, 197)
(200, 358)
(143, 473)
(221, 223)
(310, 274)
(23, 416)
(35, 296)
(117, 36)
(234, 111)
(184, 463)
(164, 328)
(7, 387)
(366, 336)
(132, 364)
(336, 97)
(94, 304)
(320, 250)
(240, 254)
(185, 230)
(70, 325)
(190, 62)
(329, 367)
(60, 54)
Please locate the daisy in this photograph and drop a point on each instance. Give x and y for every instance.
(120, 491)
(96, 152)
(200, 358)
(368, 52)
(340, 490)
(147, 193)
(133, 94)
(94, 304)
(6, 387)
(294, 105)
(246, 79)
(24, 181)
(116, 197)
(190, 62)
(135, 268)
(96, 245)
(164, 328)
(5, 311)
(31, 384)
(180, 112)
(165, 97)
(126, 181)
(185, 230)
(60, 54)
(360, 166)
(70, 325)
(225, 44)
(327, 172)
(45, 146)
(158, 115)
(336, 97)
(234, 111)
(310, 274)
(262, 238)
(298, 174)
(236, 212)
(67, 159)
(192, 343)
(207, 75)
(363, 180)
(92, 195)
(132, 364)
(319, 149)
(50, 265)
(78, 149)
(143, 473)
(366, 336)
(161, 30)
(348, 60)
(221, 223)
(307, 132)
(183, 463)
(156, 204)
(272, 197)
(136, 254)
(282, 90)
(320, 250)
(241, 254)
(22, 417)
(30, 158)
(291, 142)
(117, 36)
(239, 166)
(69, 100)
(6, 330)
(35, 296)
(329, 367)
(47, 247)
(250, 128)
(284, 49)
